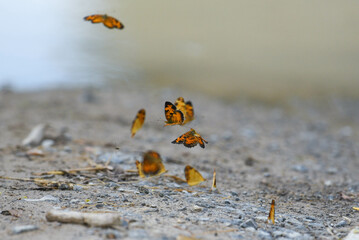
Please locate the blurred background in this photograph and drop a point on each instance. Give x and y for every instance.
(258, 49)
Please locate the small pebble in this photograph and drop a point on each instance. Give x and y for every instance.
(249, 223)
(346, 131)
(24, 228)
(67, 149)
(143, 190)
(332, 170)
(138, 234)
(342, 223)
(300, 168)
(74, 201)
(77, 188)
(286, 233)
(47, 144)
(197, 208)
(263, 234)
(309, 219)
(151, 210)
(294, 222)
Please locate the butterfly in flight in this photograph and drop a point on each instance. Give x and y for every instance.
(138, 122)
(173, 115)
(190, 139)
(186, 108)
(108, 21)
(151, 165)
(193, 177)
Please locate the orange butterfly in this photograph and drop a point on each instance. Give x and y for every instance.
(138, 122)
(151, 165)
(271, 212)
(193, 177)
(109, 22)
(186, 108)
(190, 139)
(173, 115)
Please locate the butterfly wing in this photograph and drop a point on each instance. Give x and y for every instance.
(201, 141)
(193, 177)
(138, 121)
(189, 112)
(152, 164)
(181, 139)
(214, 180)
(172, 115)
(181, 105)
(111, 22)
(95, 18)
(272, 212)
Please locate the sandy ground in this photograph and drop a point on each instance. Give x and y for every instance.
(303, 155)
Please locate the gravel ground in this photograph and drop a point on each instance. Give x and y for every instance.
(302, 154)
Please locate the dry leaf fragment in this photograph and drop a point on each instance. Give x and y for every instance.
(356, 208)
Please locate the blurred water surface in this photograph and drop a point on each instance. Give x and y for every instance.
(261, 49)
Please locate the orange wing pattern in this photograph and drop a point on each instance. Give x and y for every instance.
(173, 115)
(151, 165)
(138, 122)
(193, 177)
(108, 21)
(186, 108)
(272, 212)
(181, 105)
(190, 139)
(189, 112)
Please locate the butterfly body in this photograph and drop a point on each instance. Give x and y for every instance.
(190, 139)
(108, 21)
